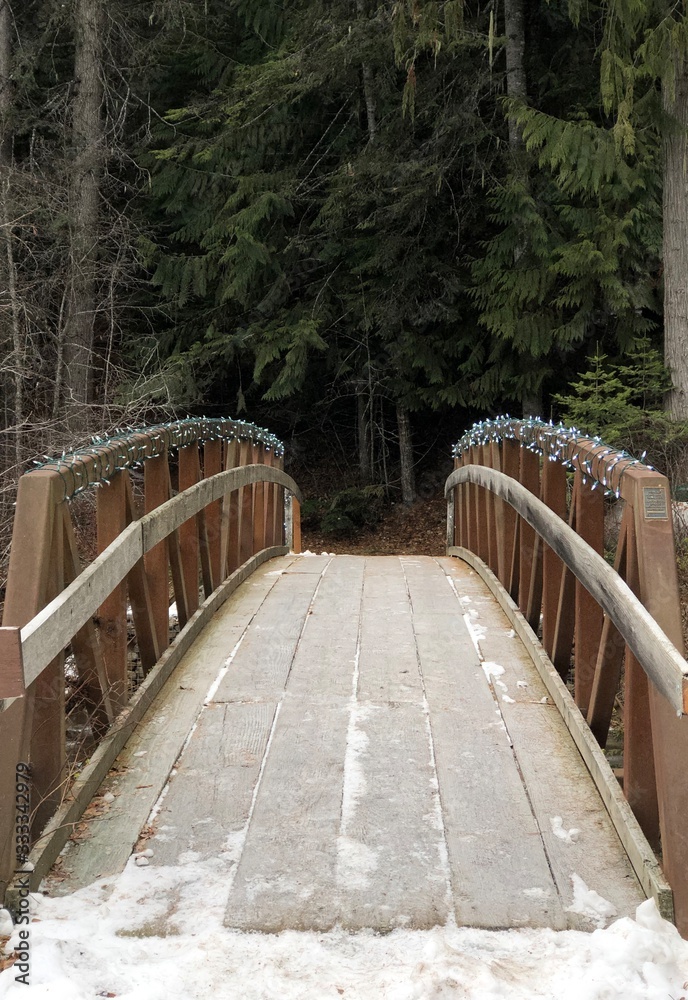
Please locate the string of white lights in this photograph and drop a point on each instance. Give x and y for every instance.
(557, 443)
(130, 447)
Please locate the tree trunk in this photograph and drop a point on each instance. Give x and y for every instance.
(515, 67)
(675, 244)
(12, 323)
(368, 87)
(408, 476)
(88, 149)
(363, 426)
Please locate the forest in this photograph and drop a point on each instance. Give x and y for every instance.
(361, 223)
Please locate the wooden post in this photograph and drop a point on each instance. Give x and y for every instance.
(554, 495)
(589, 615)
(247, 457)
(278, 535)
(112, 617)
(230, 516)
(212, 464)
(529, 476)
(27, 591)
(259, 504)
(511, 460)
(156, 485)
(296, 525)
(88, 656)
(189, 475)
(658, 578)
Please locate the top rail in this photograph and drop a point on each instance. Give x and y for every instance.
(608, 467)
(102, 459)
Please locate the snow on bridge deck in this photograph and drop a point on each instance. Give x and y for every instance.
(376, 750)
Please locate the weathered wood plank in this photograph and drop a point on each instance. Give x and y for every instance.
(263, 661)
(391, 868)
(555, 774)
(286, 877)
(500, 874)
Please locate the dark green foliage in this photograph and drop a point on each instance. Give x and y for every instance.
(353, 509)
(622, 402)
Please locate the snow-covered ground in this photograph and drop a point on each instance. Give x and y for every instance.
(156, 933)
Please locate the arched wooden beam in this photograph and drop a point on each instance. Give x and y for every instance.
(660, 659)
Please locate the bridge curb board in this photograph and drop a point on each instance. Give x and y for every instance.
(61, 825)
(640, 854)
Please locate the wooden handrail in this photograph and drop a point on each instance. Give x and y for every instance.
(660, 659)
(53, 627)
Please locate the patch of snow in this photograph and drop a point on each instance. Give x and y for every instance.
(6, 925)
(568, 836)
(511, 634)
(508, 700)
(544, 701)
(522, 684)
(159, 935)
(492, 669)
(590, 904)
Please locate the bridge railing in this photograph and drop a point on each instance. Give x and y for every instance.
(527, 498)
(214, 504)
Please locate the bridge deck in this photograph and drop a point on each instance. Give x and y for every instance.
(357, 764)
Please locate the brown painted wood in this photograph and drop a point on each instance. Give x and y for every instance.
(279, 508)
(589, 615)
(212, 464)
(534, 602)
(490, 456)
(86, 647)
(189, 475)
(11, 663)
(230, 516)
(296, 525)
(554, 495)
(270, 500)
(112, 616)
(156, 479)
(259, 504)
(610, 656)
(48, 724)
(246, 457)
(481, 501)
(511, 458)
(141, 603)
(529, 476)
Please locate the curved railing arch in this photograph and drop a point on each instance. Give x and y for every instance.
(526, 506)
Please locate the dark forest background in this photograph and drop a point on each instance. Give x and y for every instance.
(363, 224)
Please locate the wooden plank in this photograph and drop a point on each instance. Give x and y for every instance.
(12, 678)
(391, 868)
(229, 530)
(491, 889)
(555, 774)
(589, 614)
(388, 662)
(261, 665)
(207, 808)
(286, 878)
(640, 854)
(57, 831)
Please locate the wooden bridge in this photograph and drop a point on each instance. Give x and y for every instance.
(364, 742)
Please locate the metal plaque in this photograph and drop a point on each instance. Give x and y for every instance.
(655, 503)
